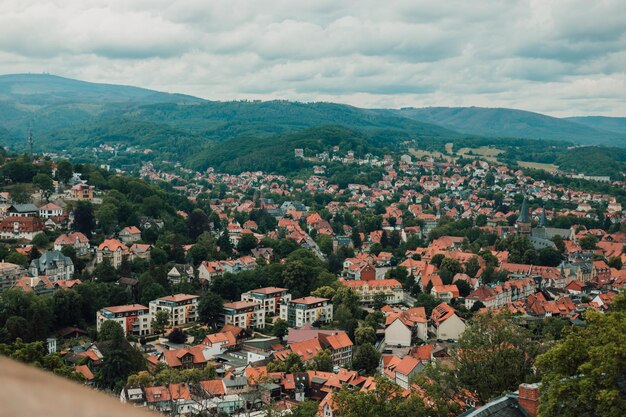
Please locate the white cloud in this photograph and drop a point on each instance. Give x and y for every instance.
(560, 57)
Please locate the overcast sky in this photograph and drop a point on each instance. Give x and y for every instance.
(556, 57)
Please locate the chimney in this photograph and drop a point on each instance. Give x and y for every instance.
(529, 398)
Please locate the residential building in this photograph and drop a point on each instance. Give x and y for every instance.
(54, 265)
(182, 308)
(134, 318)
(306, 310)
(113, 250)
(180, 273)
(268, 297)
(445, 323)
(20, 227)
(9, 274)
(22, 210)
(50, 210)
(82, 192)
(130, 235)
(402, 327)
(391, 289)
(244, 314)
(77, 240)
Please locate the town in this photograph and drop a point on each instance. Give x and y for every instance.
(208, 293)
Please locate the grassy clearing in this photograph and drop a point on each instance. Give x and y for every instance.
(437, 155)
(536, 165)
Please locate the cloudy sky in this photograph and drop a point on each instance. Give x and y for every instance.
(557, 57)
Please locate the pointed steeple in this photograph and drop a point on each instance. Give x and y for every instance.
(524, 215)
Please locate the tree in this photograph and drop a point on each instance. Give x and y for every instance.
(152, 291)
(105, 272)
(106, 217)
(464, 287)
(472, 266)
(160, 321)
(84, 220)
(379, 300)
(549, 257)
(110, 330)
(427, 301)
(322, 361)
(324, 292)
(325, 243)
(64, 171)
(448, 269)
(292, 363)
(365, 334)
(385, 399)
(247, 243)
(356, 238)
(494, 355)
(210, 308)
(437, 259)
(615, 262)
(197, 223)
(281, 328)
(177, 336)
(18, 259)
(582, 375)
(588, 242)
(366, 358)
(20, 194)
(44, 184)
(40, 240)
(306, 408)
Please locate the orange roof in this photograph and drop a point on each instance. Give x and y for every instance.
(238, 305)
(179, 297)
(309, 300)
(407, 365)
(214, 387)
(441, 313)
(112, 245)
(84, 371)
(338, 341)
(125, 308)
(157, 394)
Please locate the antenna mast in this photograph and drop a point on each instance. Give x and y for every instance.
(30, 141)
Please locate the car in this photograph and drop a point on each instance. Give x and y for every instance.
(451, 341)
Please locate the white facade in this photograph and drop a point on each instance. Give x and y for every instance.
(134, 318)
(244, 314)
(306, 310)
(182, 308)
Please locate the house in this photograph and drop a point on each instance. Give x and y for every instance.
(306, 310)
(445, 292)
(401, 370)
(54, 265)
(445, 323)
(9, 274)
(113, 250)
(180, 273)
(130, 235)
(134, 318)
(39, 285)
(77, 240)
(22, 210)
(269, 298)
(50, 210)
(339, 345)
(244, 314)
(82, 192)
(182, 308)
(20, 227)
(140, 251)
(404, 326)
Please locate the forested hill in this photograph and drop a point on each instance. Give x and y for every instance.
(76, 116)
(500, 122)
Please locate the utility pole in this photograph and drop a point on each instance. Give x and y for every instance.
(30, 141)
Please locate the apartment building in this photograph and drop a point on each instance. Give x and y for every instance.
(306, 310)
(182, 308)
(244, 314)
(366, 290)
(268, 297)
(134, 318)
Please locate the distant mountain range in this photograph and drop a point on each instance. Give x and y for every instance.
(73, 115)
(500, 122)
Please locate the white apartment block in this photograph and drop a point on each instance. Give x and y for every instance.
(134, 318)
(182, 308)
(244, 314)
(269, 298)
(306, 310)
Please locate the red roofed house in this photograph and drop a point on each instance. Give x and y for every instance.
(113, 250)
(18, 227)
(390, 288)
(402, 327)
(445, 323)
(130, 235)
(77, 240)
(445, 292)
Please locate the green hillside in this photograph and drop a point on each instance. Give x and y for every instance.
(499, 122)
(611, 124)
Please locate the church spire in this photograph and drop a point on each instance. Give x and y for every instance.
(524, 215)
(543, 220)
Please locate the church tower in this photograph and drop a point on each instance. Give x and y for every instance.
(30, 141)
(523, 223)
